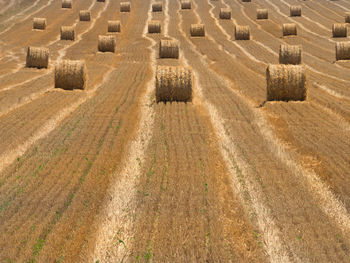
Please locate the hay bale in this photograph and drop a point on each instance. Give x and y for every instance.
(154, 26)
(242, 33)
(66, 3)
(84, 15)
(70, 74)
(67, 33)
(339, 30)
(342, 51)
(290, 54)
(125, 7)
(347, 17)
(168, 49)
(289, 29)
(186, 4)
(39, 23)
(286, 82)
(225, 13)
(37, 57)
(295, 10)
(107, 43)
(157, 7)
(197, 30)
(113, 26)
(173, 84)
(262, 14)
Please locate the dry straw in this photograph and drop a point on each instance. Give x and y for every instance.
(70, 74)
(154, 27)
(186, 4)
(197, 30)
(37, 57)
(295, 10)
(339, 30)
(289, 29)
(157, 7)
(66, 3)
(173, 84)
(242, 33)
(107, 43)
(342, 50)
(125, 7)
(286, 82)
(225, 13)
(347, 17)
(84, 15)
(39, 23)
(262, 14)
(114, 26)
(290, 54)
(67, 33)
(168, 49)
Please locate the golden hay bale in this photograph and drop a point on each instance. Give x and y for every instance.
(125, 6)
(197, 30)
(225, 13)
(290, 54)
(173, 84)
(186, 4)
(113, 26)
(339, 30)
(242, 33)
(286, 82)
(84, 15)
(107, 43)
(289, 29)
(157, 7)
(67, 33)
(347, 17)
(37, 57)
(342, 50)
(154, 26)
(168, 49)
(295, 10)
(262, 14)
(70, 74)
(66, 3)
(39, 23)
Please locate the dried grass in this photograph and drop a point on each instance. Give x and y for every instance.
(339, 30)
(342, 51)
(114, 26)
(84, 15)
(107, 43)
(157, 7)
(244, 1)
(197, 30)
(290, 54)
(262, 14)
(154, 27)
(347, 17)
(242, 33)
(70, 74)
(295, 10)
(173, 84)
(186, 4)
(67, 4)
(289, 29)
(286, 83)
(39, 23)
(225, 13)
(125, 7)
(67, 33)
(169, 49)
(37, 57)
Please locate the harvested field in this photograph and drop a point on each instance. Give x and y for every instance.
(158, 145)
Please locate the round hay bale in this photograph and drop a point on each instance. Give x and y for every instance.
(154, 27)
(66, 3)
(286, 82)
(339, 30)
(84, 15)
(37, 57)
(173, 84)
(262, 14)
(289, 29)
(168, 49)
(114, 26)
(295, 10)
(197, 30)
(225, 13)
(106, 43)
(347, 17)
(342, 50)
(186, 4)
(242, 33)
(125, 7)
(39, 23)
(67, 33)
(290, 54)
(70, 74)
(157, 7)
